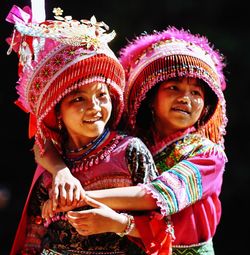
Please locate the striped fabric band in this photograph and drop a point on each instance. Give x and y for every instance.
(205, 248)
(179, 187)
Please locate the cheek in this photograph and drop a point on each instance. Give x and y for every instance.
(69, 113)
(198, 103)
(162, 101)
(198, 107)
(108, 107)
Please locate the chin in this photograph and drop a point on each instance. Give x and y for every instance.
(96, 130)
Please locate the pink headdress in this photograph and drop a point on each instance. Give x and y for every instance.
(150, 59)
(56, 57)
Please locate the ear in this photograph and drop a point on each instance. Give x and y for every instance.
(204, 114)
(205, 111)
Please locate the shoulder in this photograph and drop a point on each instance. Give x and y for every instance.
(127, 142)
(135, 143)
(202, 146)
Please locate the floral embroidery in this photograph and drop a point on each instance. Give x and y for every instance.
(189, 146)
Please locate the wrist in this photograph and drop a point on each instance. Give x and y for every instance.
(59, 169)
(128, 224)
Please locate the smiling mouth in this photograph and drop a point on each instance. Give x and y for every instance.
(90, 121)
(177, 109)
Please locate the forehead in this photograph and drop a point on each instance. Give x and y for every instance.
(90, 88)
(186, 80)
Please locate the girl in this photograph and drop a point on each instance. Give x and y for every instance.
(175, 103)
(72, 84)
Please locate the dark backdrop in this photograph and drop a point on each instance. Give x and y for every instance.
(225, 23)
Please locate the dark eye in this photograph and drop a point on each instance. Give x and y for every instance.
(172, 87)
(103, 94)
(77, 99)
(196, 93)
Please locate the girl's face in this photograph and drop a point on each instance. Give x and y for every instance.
(177, 105)
(85, 113)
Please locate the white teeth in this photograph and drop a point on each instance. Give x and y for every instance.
(92, 120)
(181, 109)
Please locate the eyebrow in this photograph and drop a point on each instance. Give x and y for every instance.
(78, 91)
(75, 92)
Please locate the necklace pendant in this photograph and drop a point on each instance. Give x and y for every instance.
(91, 162)
(86, 166)
(96, 160)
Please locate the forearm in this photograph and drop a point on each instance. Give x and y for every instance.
(125, 198)
(50, 160)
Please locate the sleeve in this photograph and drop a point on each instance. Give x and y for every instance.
(140, 162)
(156, 233)
(189, 181)
(30, 229)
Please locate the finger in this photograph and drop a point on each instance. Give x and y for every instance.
(81, 203)
(74, 215)
(69, 195)
(78, 222)
(49, 209)
(93, 203)
(82, 193)
(74, 204)
(55, 197)
(77, 194)
(45, 211)
(63, 195)
(83, 232)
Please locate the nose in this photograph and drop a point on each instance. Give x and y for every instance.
(94, 104)
(184, 99)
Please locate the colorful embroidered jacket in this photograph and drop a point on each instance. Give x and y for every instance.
(189, 186)
(120, 161)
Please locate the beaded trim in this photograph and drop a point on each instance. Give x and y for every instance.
(94, 142)
(203, 248)
(57, 217)
(81, 164)
(74, 252)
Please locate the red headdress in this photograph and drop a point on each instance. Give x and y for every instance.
(56, 57)
(150, 59)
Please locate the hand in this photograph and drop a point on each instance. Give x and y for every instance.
(66, 189)
(48, 211)
(98, 220)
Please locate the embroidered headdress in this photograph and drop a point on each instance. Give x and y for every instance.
(56, 57)
(150, 59)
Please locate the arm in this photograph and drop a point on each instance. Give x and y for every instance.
(66, 189)
(199, 171)
(86, 222)
(185, 183)
(189, 181)
(127, 198)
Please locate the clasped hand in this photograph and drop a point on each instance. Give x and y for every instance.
(99, 219)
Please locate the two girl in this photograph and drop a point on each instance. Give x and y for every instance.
(174, 102)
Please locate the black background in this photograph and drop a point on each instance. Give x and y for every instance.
(225, 23)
